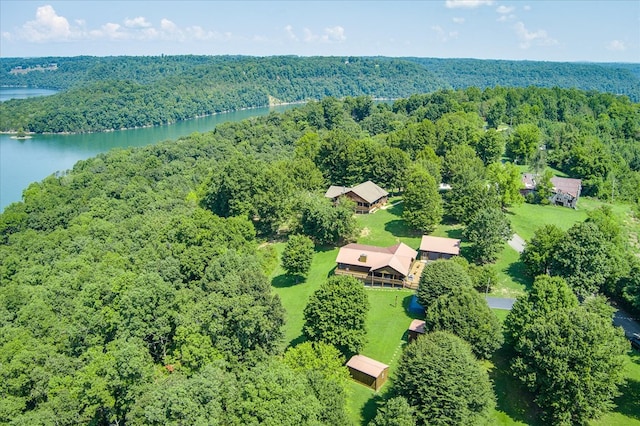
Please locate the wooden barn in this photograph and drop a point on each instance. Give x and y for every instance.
(367, 371)
(416, 329)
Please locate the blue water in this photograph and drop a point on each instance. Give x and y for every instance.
(31, 160)
(7, 93)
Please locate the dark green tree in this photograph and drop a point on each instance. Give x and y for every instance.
(583, 258)
(297, 255)
(395, 411)
(465, 199)
(487, 232)
(465, 313)
(444, 383)
(336, 314)
(462, 165)
(490, 146)
(326, 223)
(539, 252)
(569, 356)
(439, 278)
(523, 142)
(422, 204)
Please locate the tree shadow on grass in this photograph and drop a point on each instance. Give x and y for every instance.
(396, 210)
(627, 403)
(398, 228)
(455, 233)
(517, 272)
(369, 409)
(511, 397)
(295, 342)
(286, 281)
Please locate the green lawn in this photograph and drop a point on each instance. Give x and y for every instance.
(388, 318)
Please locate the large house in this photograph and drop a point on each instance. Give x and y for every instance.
(383, 266)
(368, 196)
(434, 248)
(566, 191)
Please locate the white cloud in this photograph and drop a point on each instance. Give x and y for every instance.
(334, 34)
(617, 45)
(442, 34)
(503, 10)
(527, 8)
(330, 35)
(290, 34)
(470, 4)
(527, 38)
(48, 26)
(139, 22)
(458, 20)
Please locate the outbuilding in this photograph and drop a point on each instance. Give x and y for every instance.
(434, 248)
(416, 329)
(367, 371)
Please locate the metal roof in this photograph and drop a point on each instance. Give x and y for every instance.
(440, 245)
(367, 365)
(398, 257)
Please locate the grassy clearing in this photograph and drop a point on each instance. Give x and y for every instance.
(512, 281)
(388, 317)
(627, 411)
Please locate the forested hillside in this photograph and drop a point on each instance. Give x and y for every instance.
(133, 288)
(620, 79)
(105, 93)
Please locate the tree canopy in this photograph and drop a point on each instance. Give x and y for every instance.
(569, 356)
(465, 313)
(439, 278)
(297, 255)
(443, 382)
(336, 314)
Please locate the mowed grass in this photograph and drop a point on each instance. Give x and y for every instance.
(388, 317)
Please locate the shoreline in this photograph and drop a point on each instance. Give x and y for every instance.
(14, 132)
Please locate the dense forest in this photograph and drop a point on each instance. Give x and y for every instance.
(133, 288)
(105, 93)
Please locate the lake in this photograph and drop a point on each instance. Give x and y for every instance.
(31, 160)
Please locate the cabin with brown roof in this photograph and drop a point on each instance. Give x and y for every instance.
(434, 248)
(368, 196)
(416, 329)
(367, 371)
(382, 266)
(565, 191)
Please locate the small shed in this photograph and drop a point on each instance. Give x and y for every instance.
(416, 328)
(367, 371)
(434, 248)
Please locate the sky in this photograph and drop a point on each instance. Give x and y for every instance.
(561, 30)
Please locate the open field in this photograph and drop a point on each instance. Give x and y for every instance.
(388, 317)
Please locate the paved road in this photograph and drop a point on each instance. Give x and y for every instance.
(500, 303)
(517, 243)
(629, 324)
